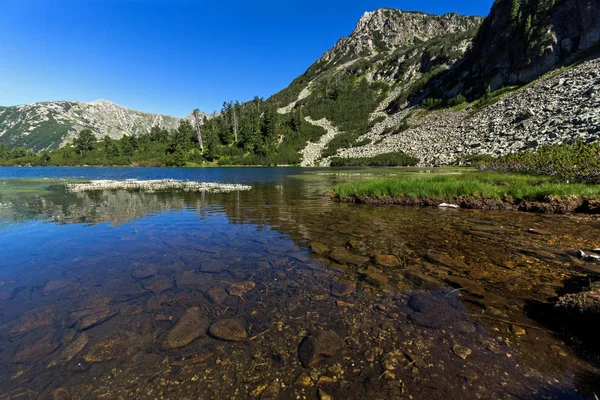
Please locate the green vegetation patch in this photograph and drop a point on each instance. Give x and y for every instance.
(575, 162)
(509, 188)
(381, 160)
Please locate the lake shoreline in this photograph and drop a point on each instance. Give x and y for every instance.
(573, 204)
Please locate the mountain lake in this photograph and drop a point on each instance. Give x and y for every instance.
(278, 292)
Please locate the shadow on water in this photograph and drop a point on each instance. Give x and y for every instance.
(281, 293)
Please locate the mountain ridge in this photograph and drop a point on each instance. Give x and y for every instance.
(52, 124)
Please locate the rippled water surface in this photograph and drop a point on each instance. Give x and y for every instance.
(279, 292)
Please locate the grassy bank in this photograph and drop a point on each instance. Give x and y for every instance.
(484, 190)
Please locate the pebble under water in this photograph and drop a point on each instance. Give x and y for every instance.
(280, 293)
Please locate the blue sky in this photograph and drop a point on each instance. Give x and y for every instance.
(171, 56)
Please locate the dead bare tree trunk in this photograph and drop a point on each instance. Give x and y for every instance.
(198, 124)
(235, 125)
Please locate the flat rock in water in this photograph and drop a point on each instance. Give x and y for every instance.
(216, 295)
(86, 319)
(212, 266)
(71, 350)
(190, 281)
(315, 348)
(467, 285)
(461, 351)
(239, 288)
(110, 349)
(431, 311)
(158, 285)
(375, 277)
(28, 322)
(58, 286)
(319, 248)
(144, 272)
(444, 259)
(387, 260)
(36, 351)
(342, 288)
(192, 325)
(230, 329)
(343, 256)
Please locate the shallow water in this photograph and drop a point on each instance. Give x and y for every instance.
(424, 303)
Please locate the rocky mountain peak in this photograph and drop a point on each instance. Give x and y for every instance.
(388, 29)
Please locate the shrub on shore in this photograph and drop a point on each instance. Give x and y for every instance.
(381, 160)
(576, 162)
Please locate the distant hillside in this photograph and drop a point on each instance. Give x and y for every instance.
(50, 125)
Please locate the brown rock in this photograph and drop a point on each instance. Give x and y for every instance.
(444, 259)
(216, 295)
(239, 288)
(374, 277)
(343, 256)
(158, 285)
(71, 350)
(386, 260)
(28, 322)
(342, 288)
(461, 351)
(315, 348)
(230, 329)
(61, 394)
(144, 272)
(319, 248)
(86, 319)
(192, 325)
(36, 351)
(110, 349)
(58, 286)
(271, 392)
(212, 266)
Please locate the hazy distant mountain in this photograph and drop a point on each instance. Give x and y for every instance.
(50, 125)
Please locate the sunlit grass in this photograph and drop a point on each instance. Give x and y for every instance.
(484, 185)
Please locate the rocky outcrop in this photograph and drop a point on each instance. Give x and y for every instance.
(388, 29)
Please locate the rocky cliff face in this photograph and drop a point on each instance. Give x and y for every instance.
(388, 29)
(521, 40)
(53, 124)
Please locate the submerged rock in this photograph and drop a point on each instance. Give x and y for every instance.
(35, 351)
(387, 260)
(59, 286)
(343, 256)
(461, 351)
(71, 350)
(158, 285)
(431, 311)
(86, 319)
(319, 248)
(212, 266)
(192, 325)
(144, 272)
(110, 349)
(216, 295)
(315, 348)
(230, 329)
(28, 322)
(342, 288)
(240, 288)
